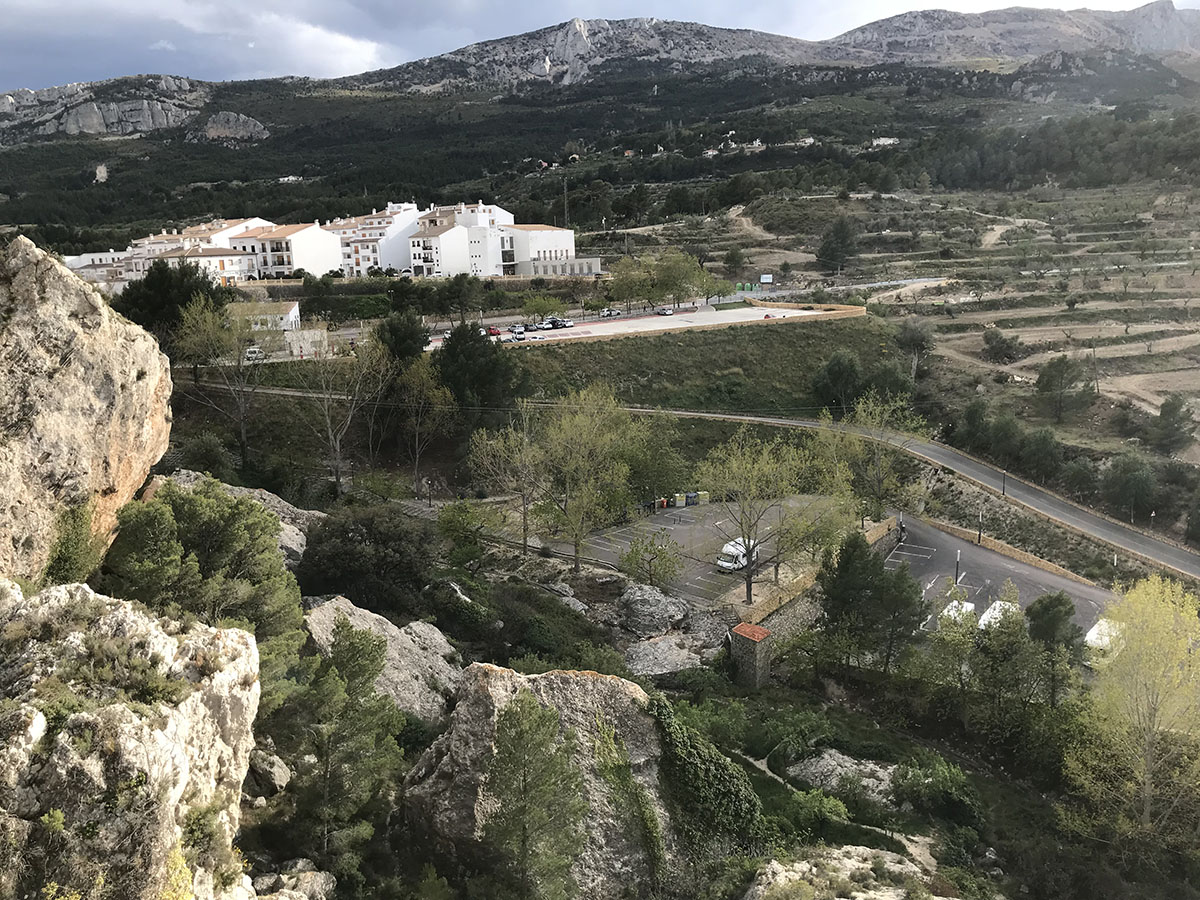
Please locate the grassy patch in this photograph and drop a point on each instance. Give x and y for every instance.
(744, 368)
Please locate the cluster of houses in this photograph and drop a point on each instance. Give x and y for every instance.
(442, 241)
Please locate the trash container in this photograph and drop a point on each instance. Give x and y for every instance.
(692, 498)
(702, 497)
(681, 500)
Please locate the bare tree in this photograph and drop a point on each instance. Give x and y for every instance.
(339, 387)
(207, 337)
(428, 409)
(511, 460)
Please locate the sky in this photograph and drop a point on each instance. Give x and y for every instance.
(52, 42)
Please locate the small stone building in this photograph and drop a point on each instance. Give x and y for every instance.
(750, 649)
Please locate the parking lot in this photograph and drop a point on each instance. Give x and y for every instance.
(701, 317)
(697, 530)
(935, 559)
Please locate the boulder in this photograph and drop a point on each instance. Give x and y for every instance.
(311, 885)
(234, 127)
(874, 875)
(294, 522)
(648, 612)
(84, 406)
(445, 790)
(661, 655)
(106, 772)
(421, 669)
(827, 768)
(268, 774)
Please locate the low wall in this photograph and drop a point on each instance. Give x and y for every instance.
(835, 310)
(884, 536)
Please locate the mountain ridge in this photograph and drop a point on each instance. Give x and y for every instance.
(582, 50)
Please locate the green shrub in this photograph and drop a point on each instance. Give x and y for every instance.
(206, 453)
(714, 795)
(936, 788)
(76, 552)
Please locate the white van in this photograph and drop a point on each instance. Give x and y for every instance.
(255, 354)
(733, 556)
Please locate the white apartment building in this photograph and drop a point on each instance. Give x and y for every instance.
(267, 316)
(439, 250)
(219, 232)
(482, 239)
(547, 250)
(282, 249)
(143, 251)
(224, 266)
(103, 258)
(379, 240)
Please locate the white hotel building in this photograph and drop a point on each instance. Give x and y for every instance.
(482, 239)
(378, 240)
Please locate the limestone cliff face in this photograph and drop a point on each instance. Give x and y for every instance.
(124, 740)
(232, 128)
(446, 790)
(84, 406)
(122, 106)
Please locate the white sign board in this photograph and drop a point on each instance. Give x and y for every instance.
(766, 279)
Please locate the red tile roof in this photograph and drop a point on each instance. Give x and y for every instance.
(755, 633)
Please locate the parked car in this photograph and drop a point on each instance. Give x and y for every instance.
(566, 323)
(493, 330)
(255, 354)
(538, 337)
(665, 311)
(545, 326)
(609, 312)
(558, 323)
(519, 335)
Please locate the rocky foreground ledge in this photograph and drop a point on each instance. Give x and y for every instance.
(124, 741)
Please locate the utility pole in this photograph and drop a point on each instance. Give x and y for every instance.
(566, 212)
(979, 537)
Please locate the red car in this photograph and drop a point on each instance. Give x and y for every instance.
(493, 330)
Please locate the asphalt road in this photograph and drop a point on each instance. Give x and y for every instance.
(931, 555)
(1107, 530)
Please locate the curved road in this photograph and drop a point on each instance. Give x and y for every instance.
(1041, 501)
(1050, 505)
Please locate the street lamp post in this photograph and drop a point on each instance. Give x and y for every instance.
(1004, 483)
(957, 559)
(979, 537)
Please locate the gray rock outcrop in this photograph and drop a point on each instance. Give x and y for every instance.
(421, 670)
(875, 875)
(268, 775)
(826, 770)
(294, 522)
(84, 406)
(125, 742)
(665, 654)
(445, 791)
(648, 612)
(231, 127)
(121, 106)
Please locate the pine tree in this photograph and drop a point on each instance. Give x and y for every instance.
(537, 792)
(349, 729)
